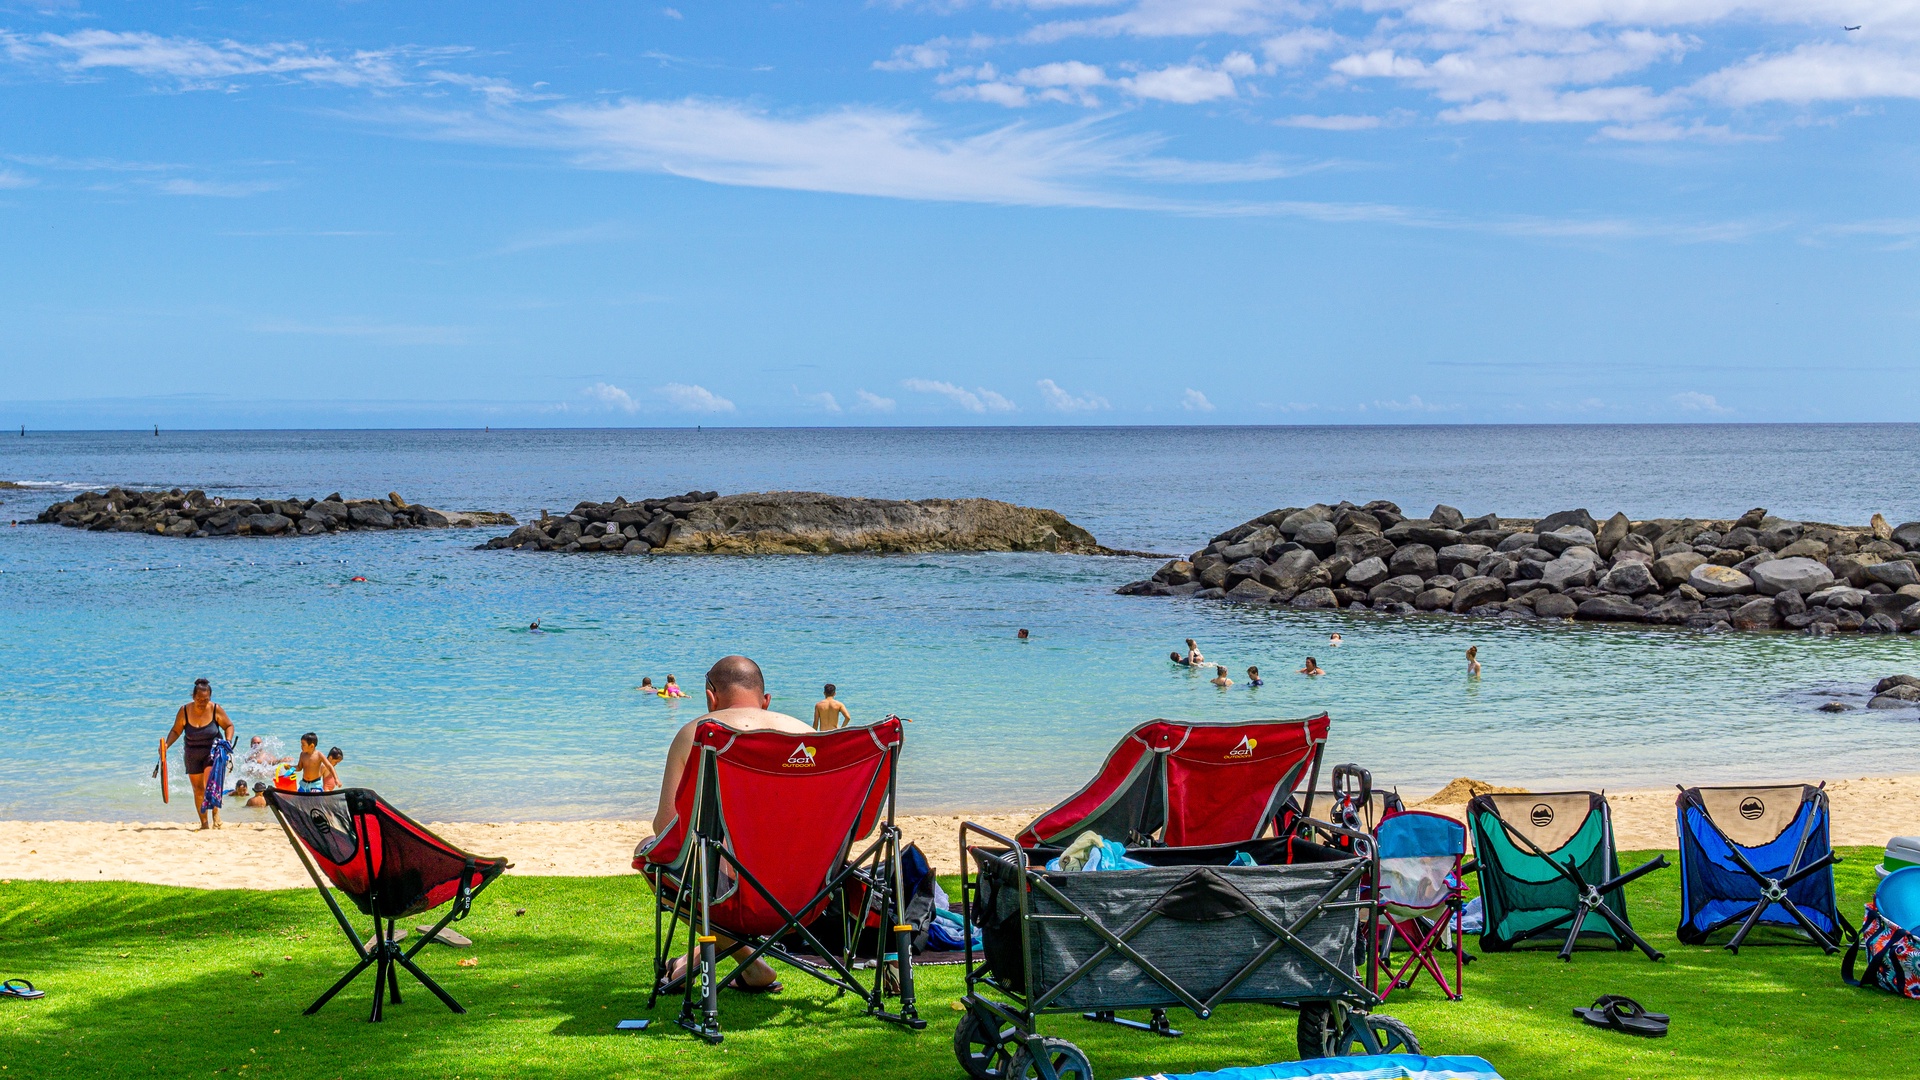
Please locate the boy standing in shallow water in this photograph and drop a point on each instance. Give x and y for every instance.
(314, 769)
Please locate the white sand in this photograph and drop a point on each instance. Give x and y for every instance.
(252, 853)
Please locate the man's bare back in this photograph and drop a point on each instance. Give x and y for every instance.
(829, 714)
(736, 697)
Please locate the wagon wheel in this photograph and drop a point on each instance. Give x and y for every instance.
(984, 1051)
(1327, 1032)
(1067, 1061)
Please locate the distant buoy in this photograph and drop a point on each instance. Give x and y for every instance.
(359, 579)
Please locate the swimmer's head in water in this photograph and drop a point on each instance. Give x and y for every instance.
(670, 681)
(831, 690)
(1473, 651)
(1023, 634)
(310, 740)
(1220, 671)
(1311, 663)
(1253, 673)
(257, 740)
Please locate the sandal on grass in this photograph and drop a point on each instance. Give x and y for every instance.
(672, 983)
(1625, 1015)
(20, 988)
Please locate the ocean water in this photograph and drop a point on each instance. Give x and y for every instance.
(424, 675)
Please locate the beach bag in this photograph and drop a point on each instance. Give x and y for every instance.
(1893, 957)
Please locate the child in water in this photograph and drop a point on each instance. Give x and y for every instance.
(334, 757)
(1253, 678)
(672, 689)
(1334, 641)
(1220, 677)
(1473, 662)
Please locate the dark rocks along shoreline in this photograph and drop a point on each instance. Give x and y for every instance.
(1756, 572)
(195, 514)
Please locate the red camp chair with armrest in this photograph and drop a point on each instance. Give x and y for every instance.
(758, 850)
(1190, 785)
(391, 867)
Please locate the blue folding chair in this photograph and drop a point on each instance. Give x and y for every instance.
(1757, 856)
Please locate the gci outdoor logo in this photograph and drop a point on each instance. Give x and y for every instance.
(801, 758)
(1245, 749)
(1752, 809)
(1542, 815)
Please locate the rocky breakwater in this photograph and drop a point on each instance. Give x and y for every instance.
(799, 523)
(1756, 572)
(194, 514)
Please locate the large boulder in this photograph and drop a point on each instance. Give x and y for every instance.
(1454, 554)
(1629, 579)
(1289, 565)
(1249, 591)
(1518, 542)
(1807, 548)
(1554, 606)
(1839, 596)
(1609, 535)
(1775, 576)
(1565, 517)
(1423, 532)
(1299, 519)
(1447, 517)
(1361, 545)
(1399, 590)
(1673, 611)
(1908, 535)
(1367, 573)
(1713, 579)
(1434, 600)
(1414, 559)
(1175, 572)
(1899, 697)
(1892, 681)
(1894, 574)
(1577, 567)
(1567, 536)
(369, 516)
(1756, 614)
(1854, 567)
(1318, 535)
(1322, 597)
(1475, 591)
(1610, 609)
(268, 524)
(1910, 616)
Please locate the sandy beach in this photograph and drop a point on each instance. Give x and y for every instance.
(252, 853)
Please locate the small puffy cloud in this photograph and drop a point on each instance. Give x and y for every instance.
(1182, 84)
(694, 399)
(1810, 73)
(1059, 400)
(1695, 401)
(612, 397)
(867, 401)
(672, 13)
(925, 57)
(978, 400)
(821, 400)
(1195, 401)
(1295, 47)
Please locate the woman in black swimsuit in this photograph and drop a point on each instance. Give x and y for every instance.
(200, 720)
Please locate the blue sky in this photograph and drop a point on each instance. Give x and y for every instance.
(1112, 211)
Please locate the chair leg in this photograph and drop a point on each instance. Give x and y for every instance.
(379, 985)
(427, 981)
(352, 974)
(1746, 927)
(1627, 931)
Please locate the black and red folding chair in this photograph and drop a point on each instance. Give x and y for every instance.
(758, 851)
(1191, 785)
(391, 867)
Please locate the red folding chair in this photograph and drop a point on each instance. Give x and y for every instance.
(1190, 785)
(758, 850)
(391, 867)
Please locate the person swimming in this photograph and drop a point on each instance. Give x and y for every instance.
(1334, 641)
(1220, 677)
(1023, 634)
(1194, 659)
(535, 628)
(1311, 668)
(672, 689)
(1253, 678)
(646, 685)
(1473, 661)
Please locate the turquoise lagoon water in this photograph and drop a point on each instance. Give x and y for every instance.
(425, 676)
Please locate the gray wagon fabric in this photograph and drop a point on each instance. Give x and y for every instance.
(1201, 956)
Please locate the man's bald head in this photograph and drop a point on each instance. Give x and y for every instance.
(735, 682)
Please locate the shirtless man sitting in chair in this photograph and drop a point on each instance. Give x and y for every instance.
(737, 697)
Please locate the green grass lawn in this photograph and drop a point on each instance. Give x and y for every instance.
(150, 981)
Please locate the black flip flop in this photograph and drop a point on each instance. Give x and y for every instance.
(1625, 1015)
(20, 988)
(737, 983)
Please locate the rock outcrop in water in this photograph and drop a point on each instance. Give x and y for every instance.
(799, 523)
(194, 514)
(1756, 572)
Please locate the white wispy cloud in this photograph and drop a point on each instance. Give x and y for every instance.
(1695, 401)
(694, 398)
(1195, 401)
(11, 179)
(821, 400)
(977, 400)
(611, 396)
(1413, 403)
(1340, 122)
(217, 189)
(1059, 400)
(193, 64)
(867, 401)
